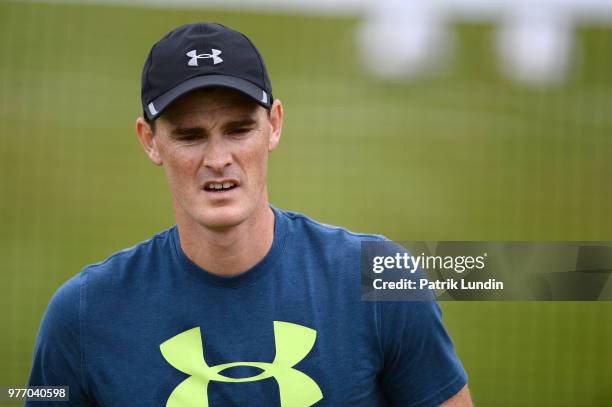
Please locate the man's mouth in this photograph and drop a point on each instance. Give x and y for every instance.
(220, 186)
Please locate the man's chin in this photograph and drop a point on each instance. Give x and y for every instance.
(222, 218)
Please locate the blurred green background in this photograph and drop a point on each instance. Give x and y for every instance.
(462, 155)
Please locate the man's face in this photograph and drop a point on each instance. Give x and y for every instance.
(214, 146)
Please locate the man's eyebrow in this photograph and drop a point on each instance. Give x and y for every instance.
(232, 124)
(187, 130)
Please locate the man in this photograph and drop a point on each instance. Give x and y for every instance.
(240, 303)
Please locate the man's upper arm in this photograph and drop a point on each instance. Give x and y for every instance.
(461, 399)
(420, 368)
(57, 359)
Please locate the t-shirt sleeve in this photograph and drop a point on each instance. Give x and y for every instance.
(420, 368)
(57, 358)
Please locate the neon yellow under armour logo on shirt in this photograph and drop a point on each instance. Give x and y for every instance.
(293, 342)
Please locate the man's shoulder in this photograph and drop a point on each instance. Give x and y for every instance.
(144, 251)
(337, 236)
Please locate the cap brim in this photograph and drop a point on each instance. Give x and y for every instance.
(157, 106)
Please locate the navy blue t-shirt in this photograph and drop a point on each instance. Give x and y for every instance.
(148, 327)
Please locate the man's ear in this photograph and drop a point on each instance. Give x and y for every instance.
(147, 140)
(276, 119)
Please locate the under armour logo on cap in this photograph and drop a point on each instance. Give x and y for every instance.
(194, 56)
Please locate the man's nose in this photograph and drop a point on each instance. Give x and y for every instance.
(217, 156)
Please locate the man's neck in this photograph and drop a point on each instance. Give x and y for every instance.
(231, 251)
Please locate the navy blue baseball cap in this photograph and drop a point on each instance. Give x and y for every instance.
(201, 55)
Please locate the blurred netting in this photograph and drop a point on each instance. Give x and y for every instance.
(464, 155)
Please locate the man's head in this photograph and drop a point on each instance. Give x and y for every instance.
(211, 131)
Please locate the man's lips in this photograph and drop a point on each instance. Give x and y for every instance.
(221, 185)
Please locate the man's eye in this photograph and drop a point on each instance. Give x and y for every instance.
(190, 137)
(239, 131)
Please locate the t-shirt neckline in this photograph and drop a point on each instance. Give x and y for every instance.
(243, 279)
